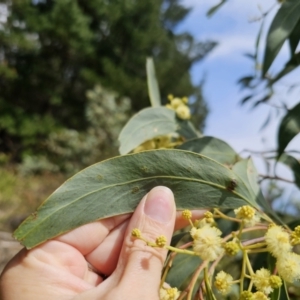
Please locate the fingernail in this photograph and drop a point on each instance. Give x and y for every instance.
(159, 204)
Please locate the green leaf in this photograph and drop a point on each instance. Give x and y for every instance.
(291, 65)
(294, 164)
(145, 125)
(182, 268)
(177, 238)
(213, 9)
(187, 129)
(282, 25)
(116, 186)
(294, 38)
(248, 173)
(153, 89)
(213, 148)
(288, 128)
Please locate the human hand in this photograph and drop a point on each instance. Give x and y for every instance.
(99, 260)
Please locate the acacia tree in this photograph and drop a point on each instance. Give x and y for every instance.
(52, 52)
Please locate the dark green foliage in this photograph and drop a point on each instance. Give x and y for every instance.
(52, 52)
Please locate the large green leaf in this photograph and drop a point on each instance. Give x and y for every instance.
(294, 164)
(288, 128)
(282, 25)
(213, 148)
(145, 125)
(153, 89)
(115, 186)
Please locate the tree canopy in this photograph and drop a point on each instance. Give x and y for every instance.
(52, 52)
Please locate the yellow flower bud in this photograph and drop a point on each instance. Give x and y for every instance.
(136, 233)
(223, 282)
(176, 102)
(183, 112)
(186, 214)
(246, 295)
(161, 241)
(275, 281)
(231, 248)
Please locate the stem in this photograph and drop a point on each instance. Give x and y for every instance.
(170, 261)
(184, 251)
(220, 214)
(243, 272)
(193, 281)
(264, 177)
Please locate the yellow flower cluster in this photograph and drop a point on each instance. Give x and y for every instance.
(207, 220)
(180, 107)
(159, 142)
(246, 295)
(168, 293)
(265, 282)
(247, 214)
(295, 236)
(223, 282)
(231, 248)
(279, 245)
(207, 242)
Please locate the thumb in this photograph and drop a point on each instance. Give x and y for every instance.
(139, 267)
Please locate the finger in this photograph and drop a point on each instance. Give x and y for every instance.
(138, 263)
(87, 238)
(104, 258)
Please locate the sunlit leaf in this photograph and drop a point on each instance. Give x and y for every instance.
(115, 186)
(215, 8)
(153, 89)
(245, 81)
(145, 125)
(246, 99)
(282, 25)
(294, 38)
(213, 148)
(290, 66)
(294, 164)
(288, 129)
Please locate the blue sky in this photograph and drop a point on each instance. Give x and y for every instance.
(233, 26)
